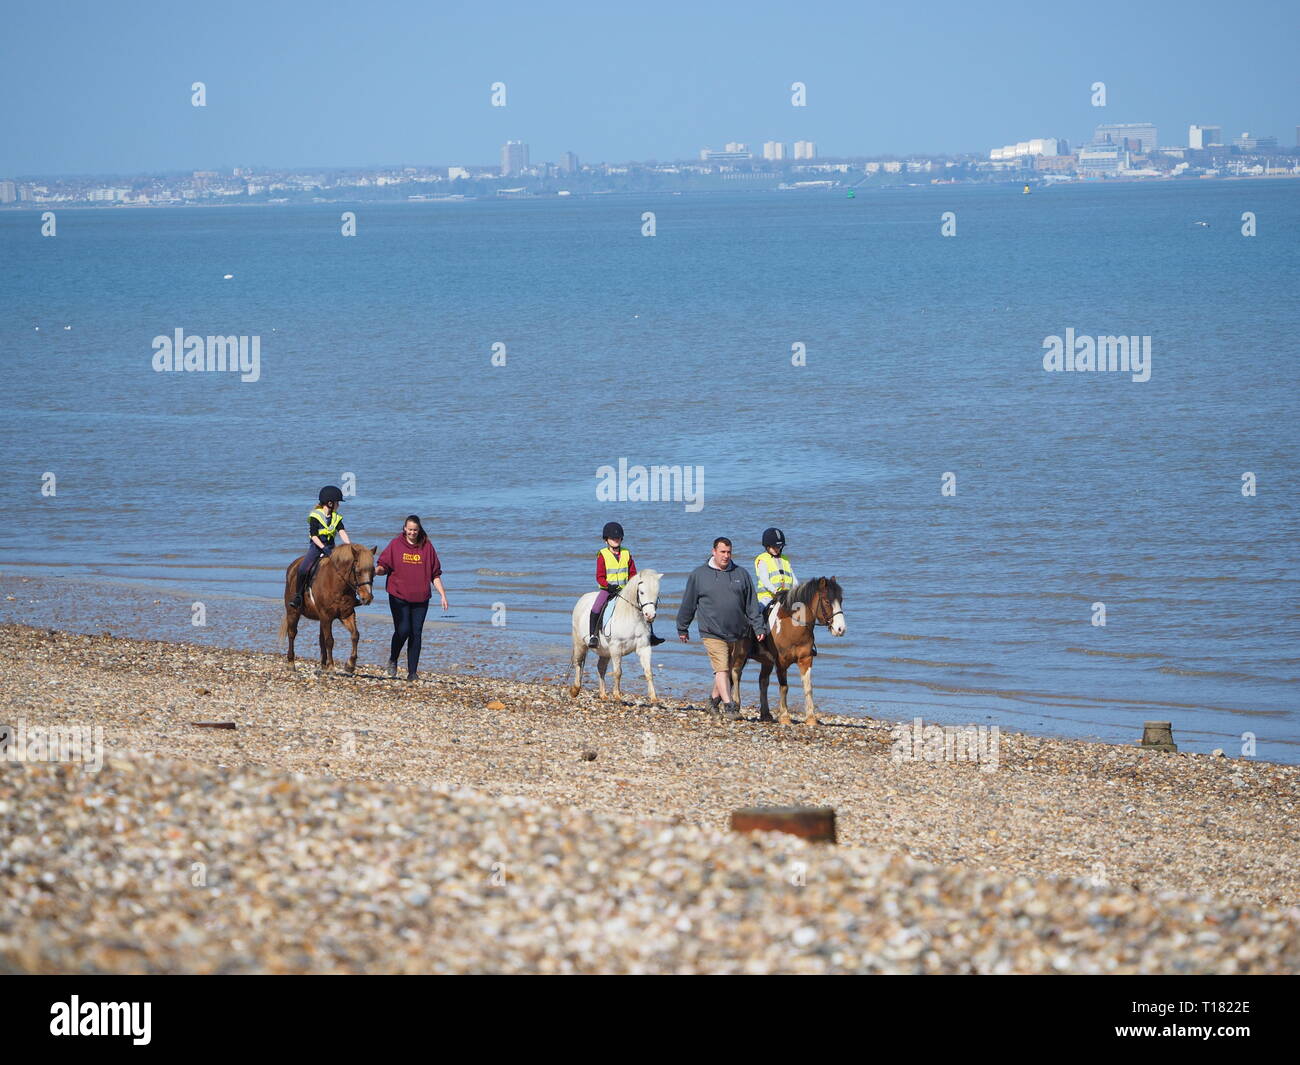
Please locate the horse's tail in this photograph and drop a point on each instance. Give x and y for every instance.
(284, 627)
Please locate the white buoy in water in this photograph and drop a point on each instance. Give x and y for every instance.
(227, 277)
(67, 327)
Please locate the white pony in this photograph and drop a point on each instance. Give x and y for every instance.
(625, 628)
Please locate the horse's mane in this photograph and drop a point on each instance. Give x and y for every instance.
(804, 591)
(651, 577)
(347, 554)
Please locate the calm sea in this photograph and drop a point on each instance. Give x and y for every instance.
(923, 358)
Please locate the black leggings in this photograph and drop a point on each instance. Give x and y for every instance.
(309, 559)
(408, 621)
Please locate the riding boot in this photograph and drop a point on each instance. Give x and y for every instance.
(296, 601)
(655, 641)
(592, 639)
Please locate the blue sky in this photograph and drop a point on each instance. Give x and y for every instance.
(105, 87)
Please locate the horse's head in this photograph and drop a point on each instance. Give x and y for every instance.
(645, 593)
(830, 605)
(357, 564)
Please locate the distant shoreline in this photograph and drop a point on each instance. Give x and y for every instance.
(572, 196)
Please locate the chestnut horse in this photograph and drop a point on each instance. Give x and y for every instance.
(790, 641)
(341, 580)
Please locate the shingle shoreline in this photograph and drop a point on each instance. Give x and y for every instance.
(358, 824)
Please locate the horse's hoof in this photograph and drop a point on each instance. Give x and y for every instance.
(350, 668)
(573, 691)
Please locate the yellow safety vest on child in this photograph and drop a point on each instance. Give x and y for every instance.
(775, 574)
(616, 566)
(330, 523)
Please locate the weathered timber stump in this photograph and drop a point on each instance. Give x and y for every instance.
(814, 823)
(1158, 736)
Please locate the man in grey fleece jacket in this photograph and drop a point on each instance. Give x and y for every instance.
(720, 597)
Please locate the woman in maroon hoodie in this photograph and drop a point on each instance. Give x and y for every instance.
(412, 565)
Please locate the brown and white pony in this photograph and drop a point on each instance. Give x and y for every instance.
(341, 579)
(819, 601)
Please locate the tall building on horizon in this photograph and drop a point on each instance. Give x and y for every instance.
(805, 150)
(570, 163)
(775, 150)
(1248, 142)
(8, 192)
(514, 157)
(1134, 136)
(1102, 160)
(732, 153)
(1045, 146)
(1205, 136)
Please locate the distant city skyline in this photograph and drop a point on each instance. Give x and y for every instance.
(1123, 152)
(515, 156)
(89, 93)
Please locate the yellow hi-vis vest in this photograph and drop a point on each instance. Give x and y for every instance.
(775, 574)
(330, 521)
(616, 565)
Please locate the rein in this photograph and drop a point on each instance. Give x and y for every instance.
(817, 617)
(639, 606)
(355, 588)
(827, 621)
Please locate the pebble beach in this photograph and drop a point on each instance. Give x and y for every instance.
(463, 823)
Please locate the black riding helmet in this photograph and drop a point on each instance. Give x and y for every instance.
(612, 531)
(331, 494)
(773, 538)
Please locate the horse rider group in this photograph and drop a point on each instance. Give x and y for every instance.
(615, 568)
(726, 603)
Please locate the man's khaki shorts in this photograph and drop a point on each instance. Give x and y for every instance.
(724, 656)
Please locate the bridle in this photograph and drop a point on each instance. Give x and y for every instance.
(825, 599)
(356, 588)
(640, 606)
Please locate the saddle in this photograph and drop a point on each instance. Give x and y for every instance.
(778, 601)
(609, 605)
(311, 573)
